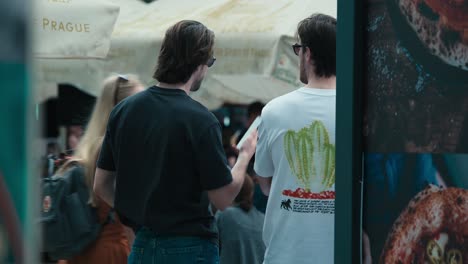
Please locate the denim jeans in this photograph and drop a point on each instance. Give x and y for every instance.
(151, 249)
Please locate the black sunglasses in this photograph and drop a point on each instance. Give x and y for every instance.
(211, 62)
(296, 48)
(120, 80)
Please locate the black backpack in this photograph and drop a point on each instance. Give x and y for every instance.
(69, 223)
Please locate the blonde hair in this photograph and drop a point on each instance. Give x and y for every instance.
(115, 89)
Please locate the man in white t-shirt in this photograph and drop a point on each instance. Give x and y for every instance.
(295, 155)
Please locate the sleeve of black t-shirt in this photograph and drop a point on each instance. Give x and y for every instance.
(106, 158)
(212, 163)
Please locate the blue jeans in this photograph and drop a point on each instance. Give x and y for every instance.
(151, 249)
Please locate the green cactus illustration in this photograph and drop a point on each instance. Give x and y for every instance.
(310, 155)
(290, 146)
(329, 174)
(319, 135)
(296, 145)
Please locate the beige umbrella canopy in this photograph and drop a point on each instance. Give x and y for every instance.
(253, 37)
(69, 28)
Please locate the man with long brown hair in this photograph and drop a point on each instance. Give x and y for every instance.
(165, 154)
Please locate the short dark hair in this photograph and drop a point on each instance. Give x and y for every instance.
(186, 45)
(318, 32)
(255, 108)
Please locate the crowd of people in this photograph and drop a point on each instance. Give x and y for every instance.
(155, 159)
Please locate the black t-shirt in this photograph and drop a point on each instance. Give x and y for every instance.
(166, 150)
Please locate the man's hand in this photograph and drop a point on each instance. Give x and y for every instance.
(248, 147)
(222, 197)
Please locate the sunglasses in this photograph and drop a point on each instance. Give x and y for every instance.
(296, 48)
(120, 80)
(211, 62)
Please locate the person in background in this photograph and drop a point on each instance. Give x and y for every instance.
(74, 134)
(295, 153)
(260, 200)
(231, 155)
(53, 149)
(240, 229)
(113, 244)
(254, 110)
(164, 152)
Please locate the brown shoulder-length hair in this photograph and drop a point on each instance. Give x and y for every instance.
(186, 45)
(245, 197)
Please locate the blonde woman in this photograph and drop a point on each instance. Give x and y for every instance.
(112, 245)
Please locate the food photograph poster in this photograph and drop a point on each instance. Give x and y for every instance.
(415, 132)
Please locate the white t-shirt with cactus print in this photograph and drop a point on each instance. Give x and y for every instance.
(297, 148)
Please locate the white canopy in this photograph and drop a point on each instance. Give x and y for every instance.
(252, 46)
(69, 29)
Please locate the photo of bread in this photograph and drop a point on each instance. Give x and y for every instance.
(415, 208)
(442, 27)
(415, 132)
(416, 76)
(433, 228)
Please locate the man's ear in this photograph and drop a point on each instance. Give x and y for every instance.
(308, 54)
(197, 71)
(200, 68)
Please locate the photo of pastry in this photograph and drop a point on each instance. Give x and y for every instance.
(416, 208)
(432, 229)
(416, 76)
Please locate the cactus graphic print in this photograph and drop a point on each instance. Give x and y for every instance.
(296, 148)
(311, 157)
